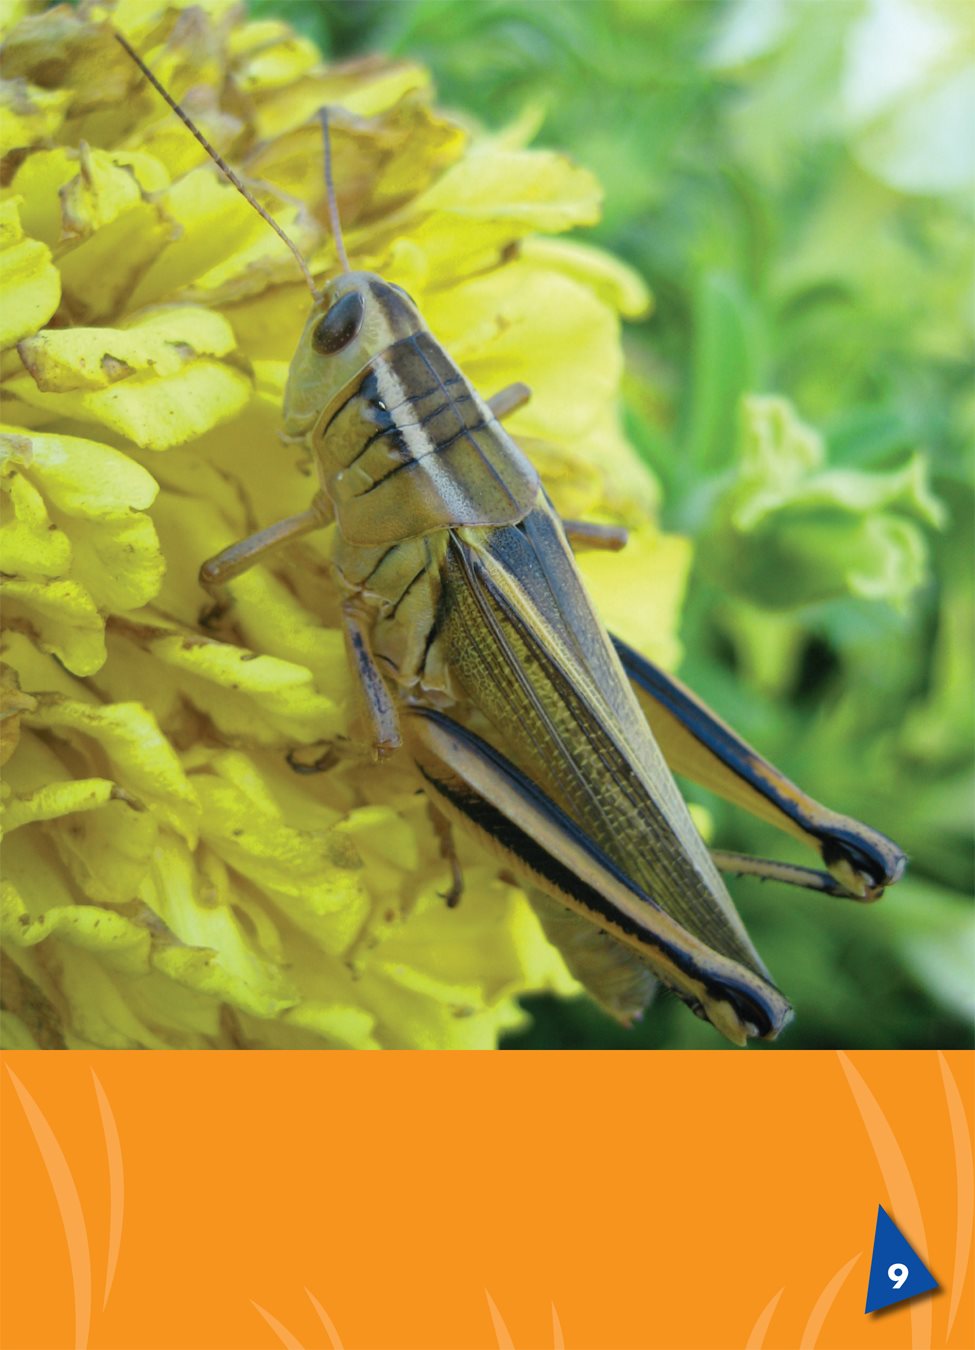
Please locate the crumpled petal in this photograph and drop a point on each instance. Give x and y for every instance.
(75, 542)
(156, 381)
(60, 616)
(790, 530)
(38, 181)
(118, 941)
(104, 187)
(474, 963)
(160, 343)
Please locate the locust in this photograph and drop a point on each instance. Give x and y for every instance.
(476, 650)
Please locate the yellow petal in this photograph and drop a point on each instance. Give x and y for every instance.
(141, 759)
(410, 1019)
(161, 343)
(105, 846)
(30, 543)
(493, 197)
(36, 670)
(139, 19)
(507, 336)
(493, 949)
(617, 284)
(38, 182)
(120, 943)
(639, 591)
(247, 454)
(261, 262)
(154, 412)
(313, 878)
(108, 852)
(363, 87)
(98, 193)
(216, 957)
(214, 223)
(108, 1009)
(61, 617)
(337, 1023)
(29, 282)
(268, 327)
(119, 562)
(13, 12)
(100, 274)
(269, 54)
(61, 47)
(378, 163)
(14, 702)
(269, 614)
(33, 869)
(115, 558)
(253, 699)
(57, 799)
(80, 477)
(29, 114)
(92, 206)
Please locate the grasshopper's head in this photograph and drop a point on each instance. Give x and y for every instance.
(358, 316)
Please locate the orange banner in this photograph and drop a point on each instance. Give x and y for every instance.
(431, 1202)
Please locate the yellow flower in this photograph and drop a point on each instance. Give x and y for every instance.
(169, 880)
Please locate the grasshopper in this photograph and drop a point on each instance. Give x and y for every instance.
(475, 647)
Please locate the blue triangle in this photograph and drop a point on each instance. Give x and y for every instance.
(896, 1270)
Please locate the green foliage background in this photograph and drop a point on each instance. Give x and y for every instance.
(797, 243)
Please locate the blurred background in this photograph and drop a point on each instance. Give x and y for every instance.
(794, 182)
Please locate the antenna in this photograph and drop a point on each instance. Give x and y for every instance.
(333, 206)
(222, 164)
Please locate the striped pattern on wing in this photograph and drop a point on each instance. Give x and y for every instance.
(523, 641)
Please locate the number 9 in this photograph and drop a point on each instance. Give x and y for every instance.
(898, 1273)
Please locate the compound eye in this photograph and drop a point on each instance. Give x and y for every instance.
(340, 325)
